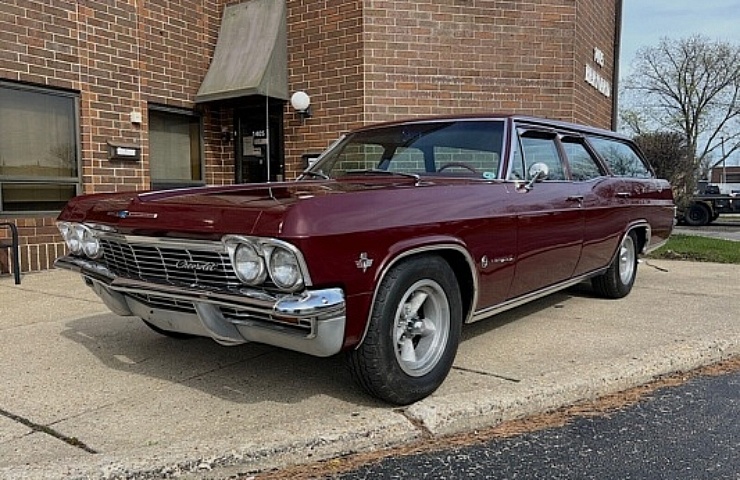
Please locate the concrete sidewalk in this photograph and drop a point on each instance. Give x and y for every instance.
(87, 394)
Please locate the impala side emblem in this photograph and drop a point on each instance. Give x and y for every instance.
(364, 262)
(196, 266)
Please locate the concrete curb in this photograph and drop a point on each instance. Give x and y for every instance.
(375, 429)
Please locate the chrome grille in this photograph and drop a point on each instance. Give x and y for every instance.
(169, 264)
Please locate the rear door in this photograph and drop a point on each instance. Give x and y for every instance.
(599, 196)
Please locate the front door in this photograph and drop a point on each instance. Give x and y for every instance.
(550, 218)
(259, 143)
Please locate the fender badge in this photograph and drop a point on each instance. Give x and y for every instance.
(127, 214)
(364, 262)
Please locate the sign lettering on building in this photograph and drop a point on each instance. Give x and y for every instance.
(594, 76)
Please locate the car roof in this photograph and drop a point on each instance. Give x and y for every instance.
(531, 120)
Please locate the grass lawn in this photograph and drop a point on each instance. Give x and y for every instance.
(699, 249)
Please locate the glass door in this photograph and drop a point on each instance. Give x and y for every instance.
(259, 143)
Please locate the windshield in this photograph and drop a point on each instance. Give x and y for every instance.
(462, 148)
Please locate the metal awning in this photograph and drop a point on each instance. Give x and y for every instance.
(251, 56)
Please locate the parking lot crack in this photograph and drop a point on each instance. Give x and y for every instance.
(488, 374)
(37, 427)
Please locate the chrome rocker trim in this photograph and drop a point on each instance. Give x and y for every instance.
(310, 322)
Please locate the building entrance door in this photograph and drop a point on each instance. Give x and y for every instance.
(259, 143)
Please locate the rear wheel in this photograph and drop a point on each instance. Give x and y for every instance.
(618, 280)
(413, 334)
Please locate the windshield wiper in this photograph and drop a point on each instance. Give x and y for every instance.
(379, 171)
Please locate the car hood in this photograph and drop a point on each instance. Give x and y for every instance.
(251, 209)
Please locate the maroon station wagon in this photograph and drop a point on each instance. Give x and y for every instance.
(398, 235)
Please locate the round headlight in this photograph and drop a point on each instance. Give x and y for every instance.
(248, 265)
(74, 241)
(90, 244)
(64, 228)
(284, 269)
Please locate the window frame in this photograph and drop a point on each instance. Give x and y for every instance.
(75, 181)
(550, 135)
(577, 139)
(170, 183)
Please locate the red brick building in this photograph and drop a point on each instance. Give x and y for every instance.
(115, 95)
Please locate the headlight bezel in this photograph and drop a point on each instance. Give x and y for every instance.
(265, 248)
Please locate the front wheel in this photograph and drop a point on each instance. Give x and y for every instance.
(413, 334)
(619, 278)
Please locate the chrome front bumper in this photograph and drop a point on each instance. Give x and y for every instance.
(311, 322)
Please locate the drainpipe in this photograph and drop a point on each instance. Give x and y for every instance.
(615, 69)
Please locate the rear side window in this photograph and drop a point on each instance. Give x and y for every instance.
(582, 165)
(621, 158)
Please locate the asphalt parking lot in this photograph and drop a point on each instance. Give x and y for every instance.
(87, 394)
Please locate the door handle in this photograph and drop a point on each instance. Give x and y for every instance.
(623, 194)
(576, 198)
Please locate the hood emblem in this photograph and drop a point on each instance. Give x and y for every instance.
(364, 262)
(128, 214)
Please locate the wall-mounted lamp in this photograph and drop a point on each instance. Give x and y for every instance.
(301, 102)
(226, 134)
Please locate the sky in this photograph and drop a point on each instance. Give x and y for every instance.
(645, 22)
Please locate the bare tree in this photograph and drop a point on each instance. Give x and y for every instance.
(689, 86)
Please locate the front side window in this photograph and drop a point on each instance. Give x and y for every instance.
(621, 158)
(174, 149)
(39, 149)
(540, 147)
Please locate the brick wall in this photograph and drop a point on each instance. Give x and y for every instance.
(120, 56)
(595, 28)
(450, 56)
(361, 61)
(325, 42)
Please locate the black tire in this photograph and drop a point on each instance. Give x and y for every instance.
(618, 280)
(169, 333)
(413, 334)
(697, 215)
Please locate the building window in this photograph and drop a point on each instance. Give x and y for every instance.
(39, 149)
(175, 156)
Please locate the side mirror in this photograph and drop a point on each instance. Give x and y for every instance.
(537, 173)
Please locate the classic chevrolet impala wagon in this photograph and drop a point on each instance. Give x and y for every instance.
(397, 236)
